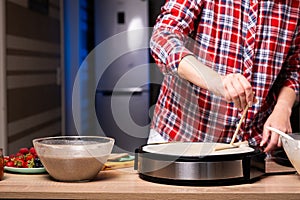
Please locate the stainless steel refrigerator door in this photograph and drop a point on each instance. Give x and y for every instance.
(115, 16)
(113, 19)
(127, 71)
(125, 117)
(122, 113)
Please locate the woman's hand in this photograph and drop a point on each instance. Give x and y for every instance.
(279, 119)
(237, 89)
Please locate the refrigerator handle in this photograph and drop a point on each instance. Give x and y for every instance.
(121, 91)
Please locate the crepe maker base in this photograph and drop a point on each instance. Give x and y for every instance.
(233, 181)
(200, 171)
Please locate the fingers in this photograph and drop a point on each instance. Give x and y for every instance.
(265, 137)
(238, 90)
(246, 86)
(271, 140)
(279, 144)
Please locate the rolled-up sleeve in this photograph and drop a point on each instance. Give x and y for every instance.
(170, 33)
(292, 69)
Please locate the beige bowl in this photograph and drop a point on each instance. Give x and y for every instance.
(73, 158)
(292, 150)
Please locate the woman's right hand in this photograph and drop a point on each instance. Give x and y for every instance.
(237, 89)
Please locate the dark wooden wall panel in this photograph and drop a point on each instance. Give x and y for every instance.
(33, 54)
(26, 23)
(32, 100)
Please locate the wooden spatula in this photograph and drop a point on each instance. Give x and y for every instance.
(232, 144)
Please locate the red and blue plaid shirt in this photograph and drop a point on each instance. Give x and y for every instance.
(257, 38)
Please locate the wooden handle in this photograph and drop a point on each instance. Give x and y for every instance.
(220, 147)
(239, 125)
(118, 165)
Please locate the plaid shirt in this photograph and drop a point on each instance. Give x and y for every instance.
(257, 38)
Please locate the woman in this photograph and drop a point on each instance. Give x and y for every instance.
(244, 53)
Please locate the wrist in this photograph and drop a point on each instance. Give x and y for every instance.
(282, 105)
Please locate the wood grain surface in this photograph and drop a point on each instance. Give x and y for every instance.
(125, 184)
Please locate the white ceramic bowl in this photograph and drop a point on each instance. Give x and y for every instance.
(292, 150)
(73, 158)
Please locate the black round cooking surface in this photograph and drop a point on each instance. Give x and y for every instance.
(190, 163)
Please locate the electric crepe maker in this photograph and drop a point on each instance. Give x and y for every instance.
(196, 163)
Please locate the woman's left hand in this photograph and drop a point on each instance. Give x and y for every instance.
(279, 119)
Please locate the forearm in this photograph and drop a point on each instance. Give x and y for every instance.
(286, 99)
(233, 87)
(197, 73)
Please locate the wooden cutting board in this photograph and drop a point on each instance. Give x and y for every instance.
(118, 161)
(118, 165)
(274, 167)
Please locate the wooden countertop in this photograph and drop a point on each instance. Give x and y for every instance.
(125, 184)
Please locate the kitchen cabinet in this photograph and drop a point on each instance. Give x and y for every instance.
(125, 184)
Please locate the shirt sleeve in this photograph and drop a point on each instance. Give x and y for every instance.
(292, 69)
(171, 31)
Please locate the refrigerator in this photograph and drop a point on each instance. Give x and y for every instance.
(122, 95)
